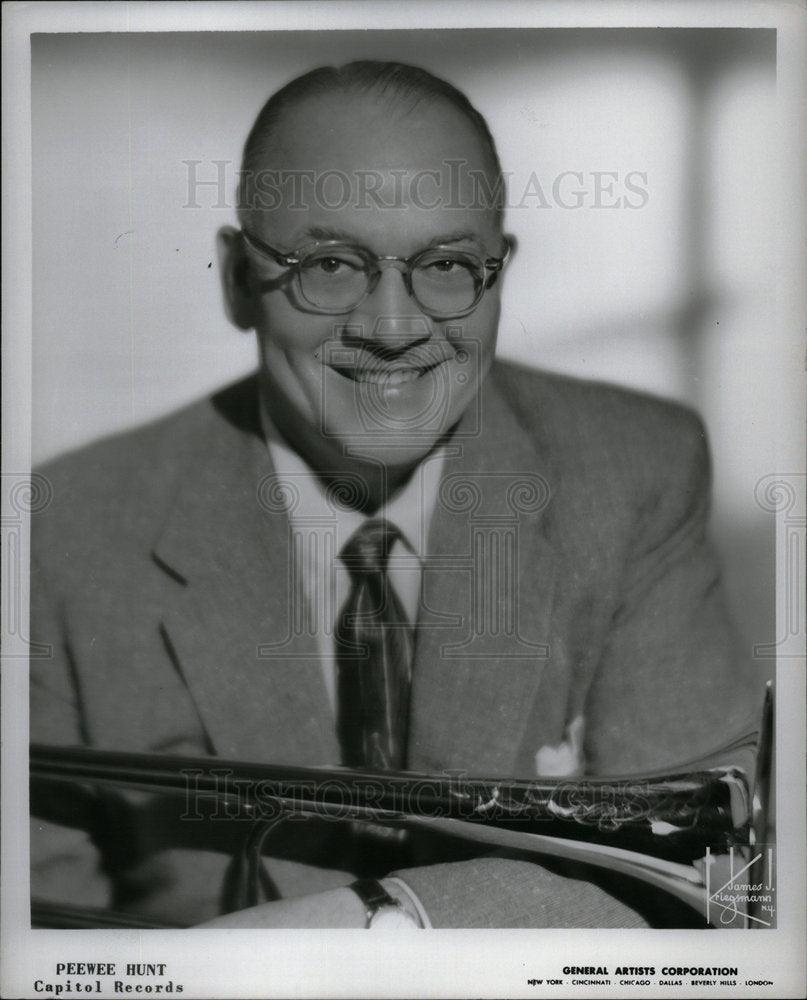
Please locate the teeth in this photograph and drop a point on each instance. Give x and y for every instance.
(386, 376)
(396, 377)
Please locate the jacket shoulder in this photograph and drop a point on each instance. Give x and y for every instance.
(116, 487)
(158, 445)
(598, 416)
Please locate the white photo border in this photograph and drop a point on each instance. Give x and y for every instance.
(449, 963)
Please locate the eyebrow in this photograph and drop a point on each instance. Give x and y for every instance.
(329, 233)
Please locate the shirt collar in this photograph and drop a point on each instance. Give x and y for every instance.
(410, 509)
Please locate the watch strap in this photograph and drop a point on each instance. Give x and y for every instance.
(374, 896)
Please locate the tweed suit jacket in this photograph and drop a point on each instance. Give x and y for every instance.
(161, 582)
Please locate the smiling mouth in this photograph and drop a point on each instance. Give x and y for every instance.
(382, 368)
(385, 374)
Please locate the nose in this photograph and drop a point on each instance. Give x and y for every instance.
(389, 316)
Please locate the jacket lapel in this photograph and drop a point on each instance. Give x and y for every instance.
(487, 596)
(256, 681)
(486, 606)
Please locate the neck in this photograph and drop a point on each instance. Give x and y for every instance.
(365, 482)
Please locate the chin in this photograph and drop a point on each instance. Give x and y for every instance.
(395, 428)
(402, 450)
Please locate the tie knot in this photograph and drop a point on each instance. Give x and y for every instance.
(367, 550)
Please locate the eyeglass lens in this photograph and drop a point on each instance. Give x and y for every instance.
(338, 278)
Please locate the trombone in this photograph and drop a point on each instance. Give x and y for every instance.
(684, 831)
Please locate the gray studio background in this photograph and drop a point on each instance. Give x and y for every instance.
(673, 296)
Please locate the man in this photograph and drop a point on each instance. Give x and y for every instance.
(385, 550)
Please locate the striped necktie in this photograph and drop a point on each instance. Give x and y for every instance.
(374, 654)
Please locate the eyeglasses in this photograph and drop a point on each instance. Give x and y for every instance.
(335, 277)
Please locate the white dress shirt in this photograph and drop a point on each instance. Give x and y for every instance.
(320, 527)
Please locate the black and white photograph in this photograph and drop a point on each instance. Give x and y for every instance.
(404, 500)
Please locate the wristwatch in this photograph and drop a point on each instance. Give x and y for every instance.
(383, 912)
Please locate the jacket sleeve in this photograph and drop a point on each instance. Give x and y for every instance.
(671, 683)
(98, 851)
(65, 864)
(508, 892)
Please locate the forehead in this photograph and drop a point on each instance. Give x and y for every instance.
(378, 166)
(344, 129)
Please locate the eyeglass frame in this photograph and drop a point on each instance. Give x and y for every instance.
(296, 258)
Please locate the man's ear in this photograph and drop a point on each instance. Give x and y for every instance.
(510, 243)
(233, 265)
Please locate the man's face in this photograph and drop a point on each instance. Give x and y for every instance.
(384, 380)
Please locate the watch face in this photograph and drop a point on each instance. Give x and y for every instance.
(391, 918)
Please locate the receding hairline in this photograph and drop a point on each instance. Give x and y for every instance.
(396, 81)
(398, 84)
